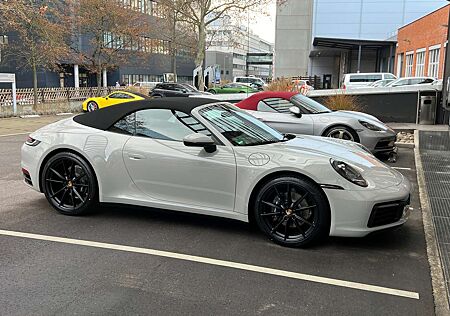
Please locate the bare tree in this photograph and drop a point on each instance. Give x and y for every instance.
(203, 13)
(113, 30)
(38, 39)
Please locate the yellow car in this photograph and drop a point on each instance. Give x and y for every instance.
(116, 97)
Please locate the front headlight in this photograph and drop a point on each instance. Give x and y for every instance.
(32, 142)
(370, 126)
(348, 172)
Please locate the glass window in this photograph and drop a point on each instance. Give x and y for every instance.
(167, 124)
(309, 106)
(409, 65)
(116, 95)
(433, 65)
(125, 126)
(239, 127)
(420, 64)
(366, 78)
(389, 76)
(263, 107)
(278, 104)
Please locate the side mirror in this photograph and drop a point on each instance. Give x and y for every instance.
(106, 98)
(296, 111)
(200, 140)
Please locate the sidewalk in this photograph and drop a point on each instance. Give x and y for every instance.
(16, 125)
(434, 152)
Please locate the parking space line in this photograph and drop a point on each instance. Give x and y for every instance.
(16, 134)
(401, 168)
(217, 262)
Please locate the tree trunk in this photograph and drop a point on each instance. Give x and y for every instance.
(173, 48)
(201, 53)
(35, 85)
(99, 82)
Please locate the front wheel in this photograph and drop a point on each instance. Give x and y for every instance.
(69, 184)
(92, 106)
(292, 211)
(342, 132)
(212, 91)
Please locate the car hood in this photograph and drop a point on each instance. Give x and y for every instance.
(373, 170)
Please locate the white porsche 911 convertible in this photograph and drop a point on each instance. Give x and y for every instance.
(209, 157)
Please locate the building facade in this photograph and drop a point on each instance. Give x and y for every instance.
(365, 20)
(421, 46)
(228, 47)
(155, 58)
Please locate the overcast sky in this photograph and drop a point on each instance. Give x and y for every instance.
(264, 26)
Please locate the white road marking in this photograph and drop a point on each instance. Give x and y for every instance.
(16, 134)
(401, 168)
(217, 262)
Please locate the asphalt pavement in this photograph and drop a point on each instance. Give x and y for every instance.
(47, 277)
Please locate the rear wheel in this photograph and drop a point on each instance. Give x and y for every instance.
(69, 184)
(212, 91)
(342, 132)
(92, 106)
(292, 211)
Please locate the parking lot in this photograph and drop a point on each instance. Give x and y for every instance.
(129, 260)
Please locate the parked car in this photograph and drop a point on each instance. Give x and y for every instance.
(146, 84)
(358, 80)
(380, 83)
(232, 88)
(409, 81)
(290, 112)
(175, 90)
(254, 82)
(202, 156)
(116, 97)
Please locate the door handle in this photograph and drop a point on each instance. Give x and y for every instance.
(133, 156)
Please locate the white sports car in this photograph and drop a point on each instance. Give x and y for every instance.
(209, 157)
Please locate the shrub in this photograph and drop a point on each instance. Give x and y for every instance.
(342, 101)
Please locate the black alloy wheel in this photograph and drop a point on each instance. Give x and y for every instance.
(69, 184)
(292, 211)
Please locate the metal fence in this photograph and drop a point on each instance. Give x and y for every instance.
(50, 95)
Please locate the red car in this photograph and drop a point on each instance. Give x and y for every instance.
(251, 103)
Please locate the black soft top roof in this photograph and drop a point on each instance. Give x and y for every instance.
(106, 117)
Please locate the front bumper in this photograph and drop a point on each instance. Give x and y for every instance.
(359, 213)
(378, 142)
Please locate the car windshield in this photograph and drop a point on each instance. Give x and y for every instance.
(308, 105)
(189, 87)
(240, 128)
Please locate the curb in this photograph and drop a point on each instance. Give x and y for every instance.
(441, 303)
(405, 145)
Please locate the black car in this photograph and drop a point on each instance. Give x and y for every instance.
(175, 90)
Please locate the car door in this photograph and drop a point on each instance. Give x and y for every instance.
(275, 112)
(166, 170)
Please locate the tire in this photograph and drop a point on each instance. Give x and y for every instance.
(307, 218)
(92, 106)
(212, 91)
(242, 92)
(342, 132)
(69, 184)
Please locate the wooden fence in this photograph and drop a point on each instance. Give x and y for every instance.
(50, 95)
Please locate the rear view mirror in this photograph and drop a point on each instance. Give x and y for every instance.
(296, 111)
(200, 140)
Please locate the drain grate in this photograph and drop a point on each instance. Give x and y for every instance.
(435, 154)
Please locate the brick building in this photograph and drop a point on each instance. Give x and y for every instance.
(421, 46)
